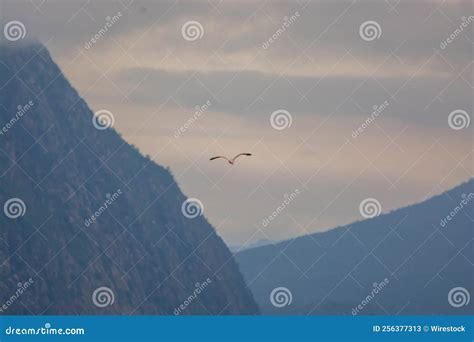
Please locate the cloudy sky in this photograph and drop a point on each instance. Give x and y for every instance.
(248, 59)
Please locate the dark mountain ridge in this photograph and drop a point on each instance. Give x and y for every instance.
(139, 244)
(420, 253)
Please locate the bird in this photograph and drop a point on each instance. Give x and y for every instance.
(232, 160)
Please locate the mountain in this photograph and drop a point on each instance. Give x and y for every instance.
(90, 226)
(258, 243)
(403, 262)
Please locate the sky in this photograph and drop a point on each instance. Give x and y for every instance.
(357, 113)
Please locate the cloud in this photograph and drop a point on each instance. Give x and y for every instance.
(317, 67)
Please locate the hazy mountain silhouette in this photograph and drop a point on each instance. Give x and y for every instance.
(258, 243)
(63, 169)
(333, 272)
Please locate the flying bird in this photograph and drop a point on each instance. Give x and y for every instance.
(231, 161)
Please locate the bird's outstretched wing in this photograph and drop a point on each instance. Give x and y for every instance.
(241, 154)
(217, 157)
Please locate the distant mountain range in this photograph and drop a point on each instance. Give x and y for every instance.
(90, 226)
(415, 260)
(258, 243)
